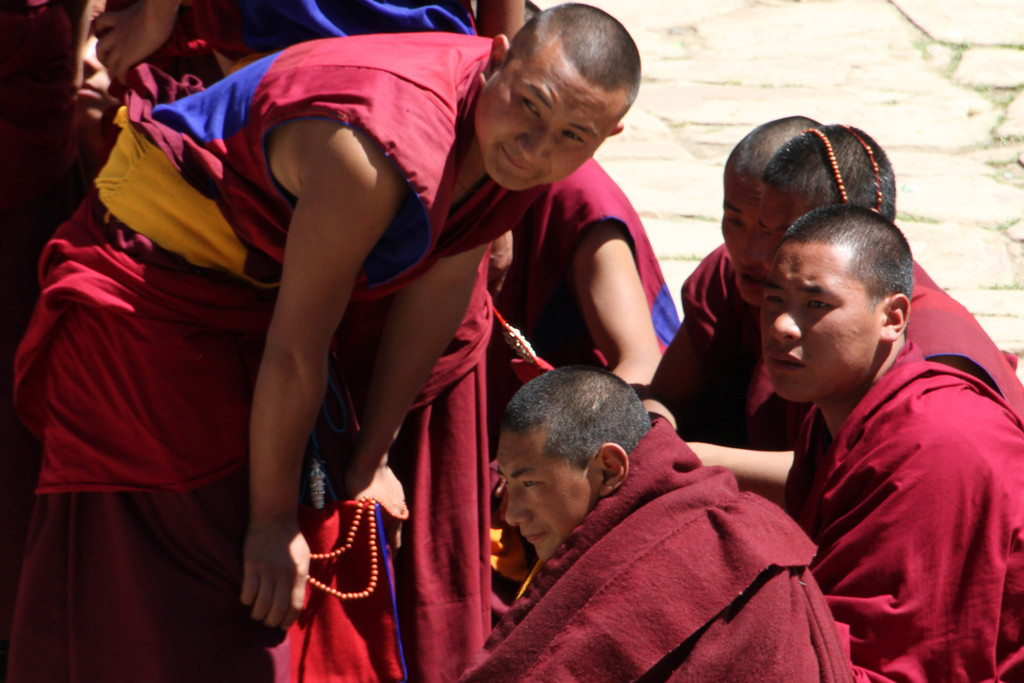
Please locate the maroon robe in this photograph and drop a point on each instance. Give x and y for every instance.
(675, 576)
(138, 371)
(38, 191)
(917, 509)
(739, 406)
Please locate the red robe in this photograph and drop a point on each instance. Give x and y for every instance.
(38, 191)
(138, 369)
(675, 576)
(739, 406)
(917, 510)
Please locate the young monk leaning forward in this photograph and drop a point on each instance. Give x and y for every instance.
(908, 473)
(174, 383)
(652, 566)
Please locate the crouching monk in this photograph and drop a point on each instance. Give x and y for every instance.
(907, 474)
(653, 566)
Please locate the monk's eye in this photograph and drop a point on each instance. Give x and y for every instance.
(531, 107)
(772, 299)
(815, 303)
(572, 136)
(527, 483)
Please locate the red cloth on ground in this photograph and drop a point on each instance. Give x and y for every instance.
(739, 406)
(38, 190)
(675, 576)
(917, 511)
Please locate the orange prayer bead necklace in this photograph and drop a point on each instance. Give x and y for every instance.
(364, 505)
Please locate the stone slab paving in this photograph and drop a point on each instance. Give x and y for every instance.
(937, 83)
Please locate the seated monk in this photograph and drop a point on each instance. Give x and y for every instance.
(651, 566)
(178, 357)
(799, 178)
(908, 473)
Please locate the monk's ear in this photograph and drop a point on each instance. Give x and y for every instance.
(612, 462)
(499, 52)
(896, 308)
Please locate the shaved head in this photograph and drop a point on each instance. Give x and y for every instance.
(803, 168)
(755, 150)
(881, 258)
(593, 41)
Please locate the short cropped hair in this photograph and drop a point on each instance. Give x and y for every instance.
(593, 41)
(751, 155)
(881, 258)
(581, 407)
(803, 166)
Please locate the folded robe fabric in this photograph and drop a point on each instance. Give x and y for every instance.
(917, 510)
(675, 576)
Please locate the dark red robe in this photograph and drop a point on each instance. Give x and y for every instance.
(675, 576)
(739, 406)
(917, 509)
(138, 368)
(38, 191)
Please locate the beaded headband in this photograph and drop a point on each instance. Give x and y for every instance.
(832, 160)
(835, 165)
(874, 165)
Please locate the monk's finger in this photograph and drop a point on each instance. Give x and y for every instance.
(298, 599)
(250, 585)
(264, 599)
(280, 605)
(395, 537)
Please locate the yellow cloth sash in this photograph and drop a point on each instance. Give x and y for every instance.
(143, 189)
(529, 579)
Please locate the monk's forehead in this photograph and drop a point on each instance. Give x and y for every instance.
(817, 263)
(549, 71)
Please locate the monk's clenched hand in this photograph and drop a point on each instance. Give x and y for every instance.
(382, 485)
(129, 36)
(275, 568)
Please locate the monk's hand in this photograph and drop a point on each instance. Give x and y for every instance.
(275, 568)
(129, 36)
(381, 484)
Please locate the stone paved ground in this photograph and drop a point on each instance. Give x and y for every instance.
(938, 83)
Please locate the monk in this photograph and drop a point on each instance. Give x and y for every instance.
(652, 566)
(582, 286)
(798, 178)
(705, 374)
(387, 161)
(908, 473)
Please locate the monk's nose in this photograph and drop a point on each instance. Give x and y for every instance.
(759, 249)
(515, 513)
(533, 144)
(784, 326)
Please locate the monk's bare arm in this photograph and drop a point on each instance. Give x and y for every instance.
(607, 287)
(762, 472)
(677, 381)
(348, 193)
(421, 322)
